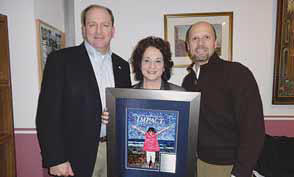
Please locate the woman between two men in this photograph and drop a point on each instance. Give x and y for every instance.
(151, 62)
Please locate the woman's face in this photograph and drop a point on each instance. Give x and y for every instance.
(152, 65)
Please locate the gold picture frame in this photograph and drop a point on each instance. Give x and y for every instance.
(49, 39)
(283, 79)
(176, 26)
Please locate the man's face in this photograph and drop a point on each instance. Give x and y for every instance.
(201, 43)
(98, 29)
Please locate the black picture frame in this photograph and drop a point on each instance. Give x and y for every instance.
(178, 111)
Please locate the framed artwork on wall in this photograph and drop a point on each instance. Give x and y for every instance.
(49, 39)
(176, 26)
(283, 79)
(152, 132)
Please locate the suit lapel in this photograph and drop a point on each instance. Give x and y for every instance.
(116, 70)
(89, 68)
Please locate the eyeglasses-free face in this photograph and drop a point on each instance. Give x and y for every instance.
(152, 65)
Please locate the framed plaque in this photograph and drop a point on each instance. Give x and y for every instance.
(152, 133)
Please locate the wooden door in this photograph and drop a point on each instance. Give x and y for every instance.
(7, 149)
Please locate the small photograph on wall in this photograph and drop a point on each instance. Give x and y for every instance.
(49, 39)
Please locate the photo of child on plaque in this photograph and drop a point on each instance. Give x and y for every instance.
(152, 139)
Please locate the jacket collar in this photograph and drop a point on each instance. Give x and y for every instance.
(163, 86)
(213, 59)
(117, 68)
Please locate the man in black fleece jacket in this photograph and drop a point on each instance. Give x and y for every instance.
(231, 128)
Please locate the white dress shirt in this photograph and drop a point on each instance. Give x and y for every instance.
(196, 69)
(102, 66)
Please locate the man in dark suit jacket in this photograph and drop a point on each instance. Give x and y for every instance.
(73, 95)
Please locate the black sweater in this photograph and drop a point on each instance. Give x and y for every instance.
(231, 125)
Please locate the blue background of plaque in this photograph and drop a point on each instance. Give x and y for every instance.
(163, 121)
(182, 138)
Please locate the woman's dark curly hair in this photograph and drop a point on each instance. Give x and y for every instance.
(137, 56)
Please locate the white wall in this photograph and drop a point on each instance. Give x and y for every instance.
(23, 59)
(69, 21)
(253, 39)
(51, 12)
(23, 52)
(253, 33)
